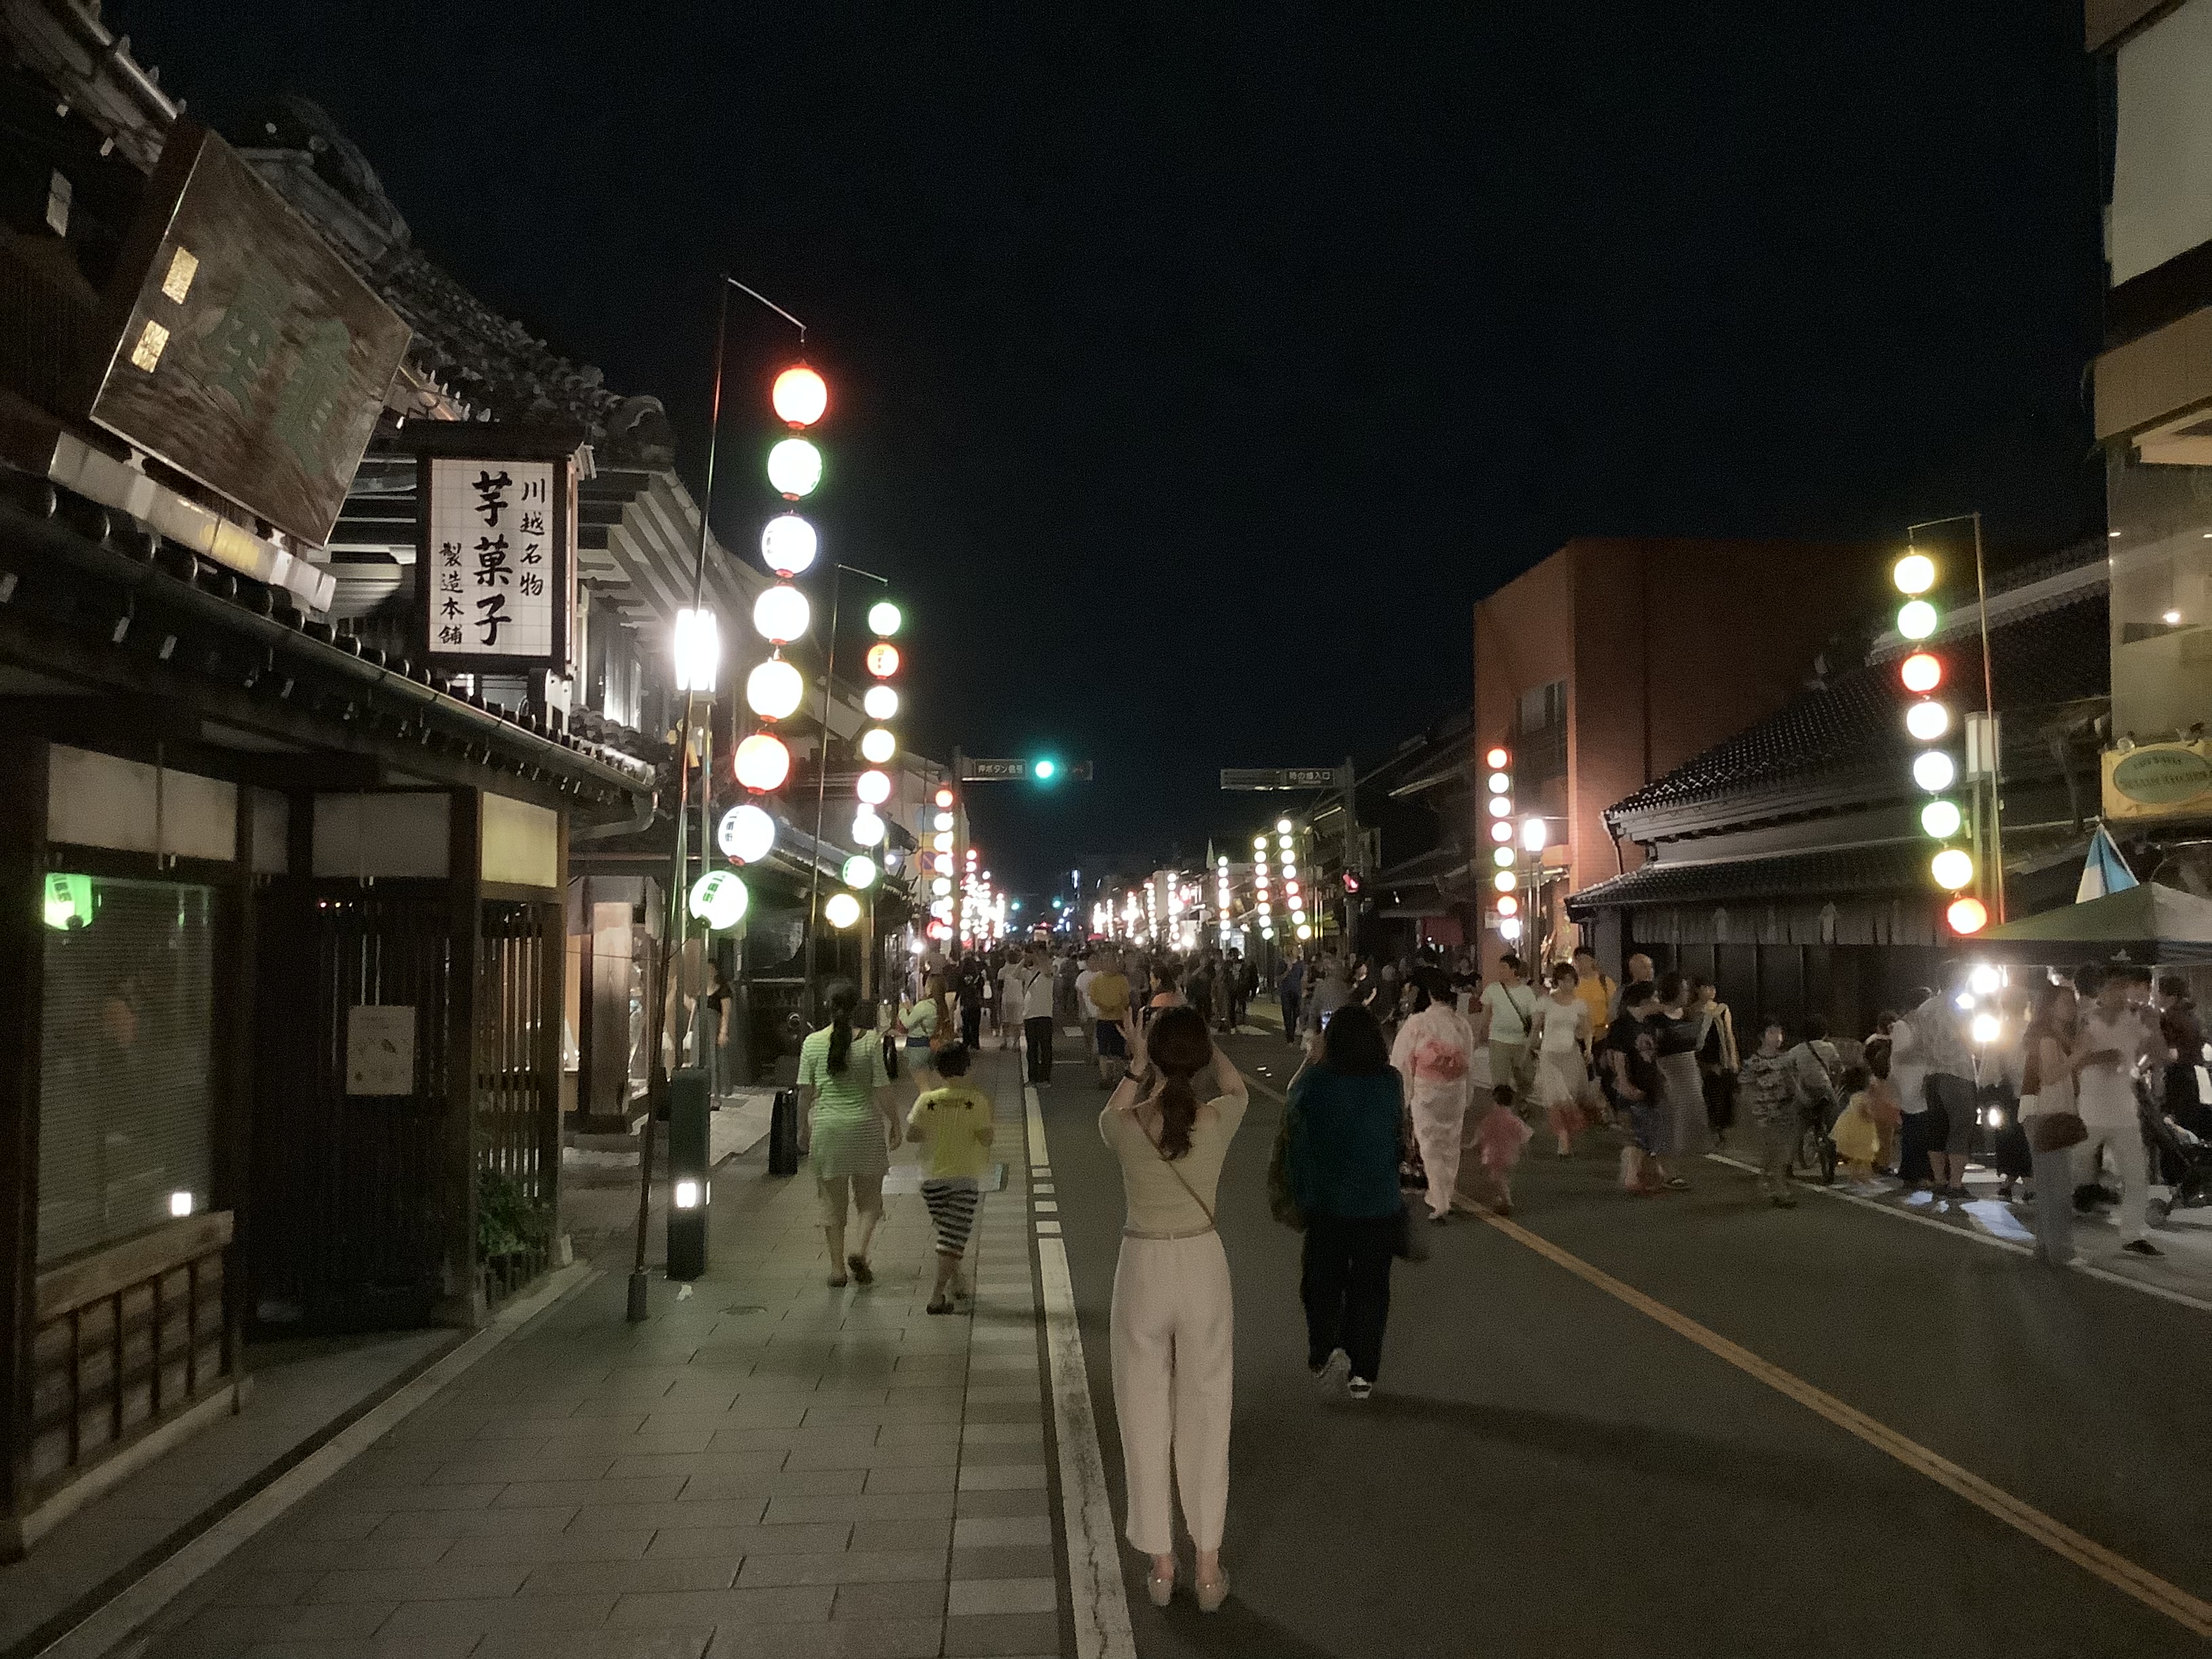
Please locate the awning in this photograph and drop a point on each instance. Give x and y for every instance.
(2147, 924)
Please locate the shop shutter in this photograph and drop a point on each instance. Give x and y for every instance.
(125, 1104)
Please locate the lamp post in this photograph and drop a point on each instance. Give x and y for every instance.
(688, 679)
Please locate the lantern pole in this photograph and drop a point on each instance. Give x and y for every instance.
(673, 939)
(822, 776)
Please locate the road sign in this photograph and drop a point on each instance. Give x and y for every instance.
(974, 770)
(1281, 777)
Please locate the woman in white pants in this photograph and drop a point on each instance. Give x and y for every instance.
(1170, 1121)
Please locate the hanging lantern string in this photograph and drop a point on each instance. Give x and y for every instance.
(769, 303)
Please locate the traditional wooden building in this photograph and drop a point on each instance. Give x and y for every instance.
(1788, 861)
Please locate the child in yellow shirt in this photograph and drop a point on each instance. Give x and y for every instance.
(952, 1126)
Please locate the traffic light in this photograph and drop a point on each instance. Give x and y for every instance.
(1044, 769)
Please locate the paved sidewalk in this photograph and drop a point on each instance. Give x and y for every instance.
(767, 1467)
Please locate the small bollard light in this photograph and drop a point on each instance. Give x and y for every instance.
(690, 1111)
(181, 1204)
(687, 1194)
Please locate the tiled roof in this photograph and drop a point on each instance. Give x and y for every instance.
(1825, 873)
(1857, 718)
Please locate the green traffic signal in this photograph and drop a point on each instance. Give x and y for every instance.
(1045, 770)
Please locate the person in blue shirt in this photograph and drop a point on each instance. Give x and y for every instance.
(1341, 1154)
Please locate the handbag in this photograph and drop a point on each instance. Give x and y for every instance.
(2054, 1132)
(1282, 1201)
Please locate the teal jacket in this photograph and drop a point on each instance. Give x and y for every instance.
(1343, 1147)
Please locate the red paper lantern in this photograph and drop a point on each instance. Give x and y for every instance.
(1920, 672)
(1967, 916)
(799, 395)
(883, 659)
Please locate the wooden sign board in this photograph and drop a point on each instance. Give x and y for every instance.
(496, 553)
(236, 346)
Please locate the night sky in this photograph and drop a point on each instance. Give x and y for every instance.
(1198, 367)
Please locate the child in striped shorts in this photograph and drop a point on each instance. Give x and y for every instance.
(952, 1125)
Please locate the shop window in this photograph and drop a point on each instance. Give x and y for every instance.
(126, 1094)
(2161, 597)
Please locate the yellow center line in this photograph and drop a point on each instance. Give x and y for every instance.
(2117, 1570)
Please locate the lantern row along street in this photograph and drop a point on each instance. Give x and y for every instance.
(1929, 720)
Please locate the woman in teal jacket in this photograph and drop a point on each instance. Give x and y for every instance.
(1342, 1160)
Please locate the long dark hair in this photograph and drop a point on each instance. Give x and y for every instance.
(842, 999)
(1181, 1048)
(1429, 985)
(1351, 1043)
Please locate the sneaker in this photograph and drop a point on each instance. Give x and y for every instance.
(2141, 1247)
(1333, 1372)
(1359, 1389)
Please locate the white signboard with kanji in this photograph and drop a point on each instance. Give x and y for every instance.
(493, 568)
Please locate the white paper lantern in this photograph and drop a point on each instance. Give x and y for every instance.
(842, 909)
(789, 544)
(872, 787)
(867, 828)
(773, 689)
(746, 834)
(880, 703)
(718, 899)
(878, 745)
(781, 614)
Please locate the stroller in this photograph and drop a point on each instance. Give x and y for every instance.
(2182, 1160)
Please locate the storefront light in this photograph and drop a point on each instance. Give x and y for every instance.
(1532, 835)
(687, 1194)
(181, 1204)
(698, 650)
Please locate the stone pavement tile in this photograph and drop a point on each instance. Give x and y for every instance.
(997, 1363)
(726, 1512)
(860, 1506)
(374, 1647)
(1029, 1560)
(894, 1456)
(318, 1522)
(935, 1534)
(983, 1453)
(561, 1428)
(939, 1478)
(474, 1523)
(226, 1629)
(536, 1548)
(545, 1494)
(264, 1588)
(1000, 1411)
(595, 1644)
(665, 1572)
(842, 1638)
(771, 1411)
(891, 1599)
(485, 1614)
(392, 1469)
(993, 1596)
(778, 1483)
(697, 1463)
(281, 1554)
(1023, 1500)
(385, 1500)
(1001, 1477)
(506, 1467)
(844, 1567)
(1001, 1434)
(973, 1635)
(907, 1433)
(943, 1411)
(799, 1604)
(815, 1537)
(993, 1532)
(985, 1394)
(432, 1583)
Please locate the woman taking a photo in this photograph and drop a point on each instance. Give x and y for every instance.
(1170, 1122)
(1435, 1054)
(845, 1103)
(1342, 1157)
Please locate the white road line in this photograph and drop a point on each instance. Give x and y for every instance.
(116, 1620)
(1096, 1588)
(1974, 1235)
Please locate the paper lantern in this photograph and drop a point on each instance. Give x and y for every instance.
(878, 745)
(794, 467)
(781, 614)
(1508, 905)
(1914, 574)
(867, 828)
(1940, 819)
(879, 703)
(941, 841)
(1497, 758)
(1500, 784)
(746, 834)
(1504, 881)
(1935, 771)
(1916, 619)
(942, 820)
(1927, 720)
(872, 787)
(773, 689)
(842, 909)
(762, 763)
(1967, 916)
(1502, 857)
(1952, 868)
(1920, 672)
(942, 797)
(1502, 830)
(788, 544)
(799, 395)
(859, 870)
(882, 660)
(718, 899)
(884, 617)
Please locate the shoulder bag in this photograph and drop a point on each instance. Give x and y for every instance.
(1204, 1209)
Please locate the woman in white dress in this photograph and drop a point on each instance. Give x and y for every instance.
(1561, 1036)
(1435, 1054)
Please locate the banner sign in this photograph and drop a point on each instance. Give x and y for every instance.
(1281, 777)
(236, 346)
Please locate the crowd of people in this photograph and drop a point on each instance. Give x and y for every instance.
(1426, 1077)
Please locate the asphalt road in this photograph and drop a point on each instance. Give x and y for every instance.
(1546, 1469)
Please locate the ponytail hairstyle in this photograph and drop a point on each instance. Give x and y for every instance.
(1180, 1047)
(842, 998)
